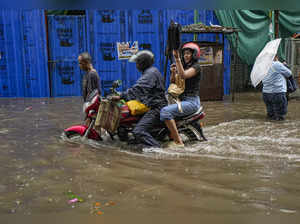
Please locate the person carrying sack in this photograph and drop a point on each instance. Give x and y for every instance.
(190, 70)
(176, 88)
(90, 82)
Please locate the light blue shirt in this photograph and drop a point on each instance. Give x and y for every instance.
(275, 81)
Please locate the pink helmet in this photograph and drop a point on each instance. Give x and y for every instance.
(194, 47)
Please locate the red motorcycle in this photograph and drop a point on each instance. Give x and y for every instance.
(189, 127)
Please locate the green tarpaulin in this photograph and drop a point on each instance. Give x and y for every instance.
(254, 26)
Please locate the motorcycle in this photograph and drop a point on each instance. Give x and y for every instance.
(189, 127)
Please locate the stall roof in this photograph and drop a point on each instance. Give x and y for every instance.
(201, 28)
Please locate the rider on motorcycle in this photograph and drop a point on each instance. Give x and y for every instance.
(189, 70)
(149, 90)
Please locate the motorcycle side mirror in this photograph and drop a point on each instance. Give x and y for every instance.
(116, 84)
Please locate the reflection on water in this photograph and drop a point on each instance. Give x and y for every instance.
(248, 167)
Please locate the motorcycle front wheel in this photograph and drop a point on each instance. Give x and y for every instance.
(123, 134)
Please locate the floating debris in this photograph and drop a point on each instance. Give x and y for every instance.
(95, 209)
(110, 203)
(73, 200)
(73, 197)
(100, 213)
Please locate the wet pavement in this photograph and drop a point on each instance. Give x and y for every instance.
(247, 171)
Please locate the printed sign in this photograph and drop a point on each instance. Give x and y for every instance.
(218, 57)
(126, 49)
(206, 57)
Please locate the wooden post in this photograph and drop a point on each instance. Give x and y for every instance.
(276, 23)
(196, 21)
(235, 62)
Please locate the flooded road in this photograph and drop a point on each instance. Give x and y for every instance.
(247, 172)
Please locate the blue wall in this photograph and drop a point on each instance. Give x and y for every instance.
(24, 58)
(23, 63)
(34, 52)
(11, 82)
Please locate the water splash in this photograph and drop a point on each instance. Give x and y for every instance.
(240, 139)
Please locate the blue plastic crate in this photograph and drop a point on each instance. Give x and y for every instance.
(105, 29)
(66, 78)
(148, 28)
(67, 39)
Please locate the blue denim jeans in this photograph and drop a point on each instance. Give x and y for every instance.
(189, 106)
(276, 104)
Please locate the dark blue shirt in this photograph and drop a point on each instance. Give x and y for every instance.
(149, 89)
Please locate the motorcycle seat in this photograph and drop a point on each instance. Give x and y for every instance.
(199, 111)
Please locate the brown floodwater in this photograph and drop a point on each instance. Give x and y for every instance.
(247, 172)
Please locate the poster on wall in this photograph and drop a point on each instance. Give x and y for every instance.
(218, 58)
(206, 57)
(127, 49)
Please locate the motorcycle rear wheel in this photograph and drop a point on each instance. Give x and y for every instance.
(189, 133)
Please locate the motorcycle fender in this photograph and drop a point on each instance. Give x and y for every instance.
(195, 132)
(77, 128)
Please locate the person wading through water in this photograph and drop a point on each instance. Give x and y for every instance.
(90, 82)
